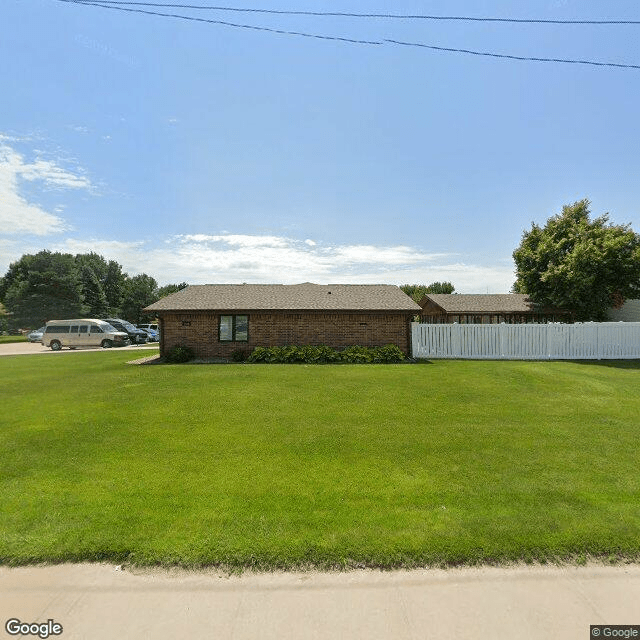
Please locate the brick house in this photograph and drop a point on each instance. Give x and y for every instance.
(481, 308)
(217, 319)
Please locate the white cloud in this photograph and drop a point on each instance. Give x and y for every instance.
(106, 248)
(235, 240)
(52, 175)
(366, 254)
(17, 215)
(200, 259)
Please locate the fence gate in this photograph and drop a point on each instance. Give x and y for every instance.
(580, 341)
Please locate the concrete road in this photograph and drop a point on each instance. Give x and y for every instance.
(102, 601)
(21, 348)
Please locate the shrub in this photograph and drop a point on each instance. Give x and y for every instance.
(388, 353)
(262, 354)
(356, 354)
(310, 354)
(179, 353)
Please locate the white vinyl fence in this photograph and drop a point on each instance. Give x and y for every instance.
(581, 341)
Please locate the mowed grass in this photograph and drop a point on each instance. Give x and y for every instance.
(283, 466)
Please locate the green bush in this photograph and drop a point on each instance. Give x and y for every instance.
(388, 353)
(356, 355)
(310, 354)
(179, 353)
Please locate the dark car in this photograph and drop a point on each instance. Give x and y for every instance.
(136, 336)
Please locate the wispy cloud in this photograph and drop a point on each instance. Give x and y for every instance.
(17, 214)
(52, 175)
(231, 258)
(78, 128)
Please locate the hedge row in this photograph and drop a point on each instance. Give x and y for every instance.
(305, 354)
(323, 354)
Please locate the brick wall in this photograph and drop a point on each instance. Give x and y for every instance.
(199, 330)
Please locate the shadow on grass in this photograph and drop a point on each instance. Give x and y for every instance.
(615, 364)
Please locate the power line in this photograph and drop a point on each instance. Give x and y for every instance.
(511, 57)
(341, 14)
(224, 23)
(595, 63)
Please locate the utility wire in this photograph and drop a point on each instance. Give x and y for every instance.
(510, 57)
(223, 23)
(596, 63)
(341, 14)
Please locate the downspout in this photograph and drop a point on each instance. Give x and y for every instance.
(161, 329)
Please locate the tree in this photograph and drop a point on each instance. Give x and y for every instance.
(113, 286)
(43, 287)
(418, 291)
(4, 325)
(93, 293)
(168, 289)
(579, 265)
(139, 292)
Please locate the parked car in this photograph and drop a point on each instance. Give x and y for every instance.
(36, 335)
(153, 326)
(154, 336)
(85, 332)
(136, 336)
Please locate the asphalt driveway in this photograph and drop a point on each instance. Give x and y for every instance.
(22, 348)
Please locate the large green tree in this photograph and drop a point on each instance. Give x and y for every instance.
(43, 287)
(139, 292)
(93, 293)
(103, 297)
(577, 264)
(113, 286)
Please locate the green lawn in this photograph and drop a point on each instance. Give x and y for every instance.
(271, 466)
(11, 339)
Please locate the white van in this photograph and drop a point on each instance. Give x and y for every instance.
(82, 333)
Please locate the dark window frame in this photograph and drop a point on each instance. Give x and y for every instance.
(233, 327)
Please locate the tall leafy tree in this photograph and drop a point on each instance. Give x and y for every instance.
(42, 287)
(93, 293)
(139, 292)
(96, 262)
(418, 291)
(577, 264)
(113, 286)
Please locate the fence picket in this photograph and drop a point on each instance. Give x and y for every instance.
(580, 341)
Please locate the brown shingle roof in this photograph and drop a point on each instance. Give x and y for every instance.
(481, 302)
(298, 297)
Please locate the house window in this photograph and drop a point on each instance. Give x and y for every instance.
(234, 329)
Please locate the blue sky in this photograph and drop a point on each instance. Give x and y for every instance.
(205, 153)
